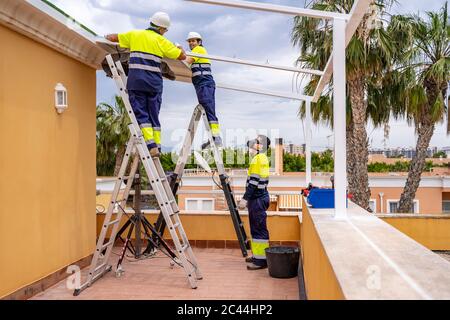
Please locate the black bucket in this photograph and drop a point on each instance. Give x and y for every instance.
(283, 261)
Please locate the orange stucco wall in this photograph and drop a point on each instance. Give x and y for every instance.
(47, 163)
(430, 199)
(432, 232)
(219, 226)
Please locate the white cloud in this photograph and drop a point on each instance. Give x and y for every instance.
(230, 32)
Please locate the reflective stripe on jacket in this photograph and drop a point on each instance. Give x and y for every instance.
(258, 177)
(147, 49)
(201, 69)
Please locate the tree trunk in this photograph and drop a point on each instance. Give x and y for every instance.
(350, 151)
(119, 158)
(358, 154)
(425, 132)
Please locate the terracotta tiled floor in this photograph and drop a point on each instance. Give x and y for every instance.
(224, 277)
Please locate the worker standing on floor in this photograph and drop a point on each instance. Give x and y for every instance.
(204, 84)
(257, 199)
(145, 83)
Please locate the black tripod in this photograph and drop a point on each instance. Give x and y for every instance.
(141, 226)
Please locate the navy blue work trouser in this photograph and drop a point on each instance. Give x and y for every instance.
(146, 107)
(206, 95)
(258, 227)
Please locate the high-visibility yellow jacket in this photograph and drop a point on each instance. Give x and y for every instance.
(258, 177)
(201, 69)
(147, 49)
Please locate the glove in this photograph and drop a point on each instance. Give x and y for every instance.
(242, 204)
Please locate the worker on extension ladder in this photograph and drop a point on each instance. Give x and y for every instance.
(145, 83)
(204, 84)
(257, 199)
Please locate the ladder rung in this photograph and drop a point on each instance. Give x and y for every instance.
(106, 245)
(176, 225)
(174, 213)
(100, 267)
(160, 179)
(183, 248)
(111, 223)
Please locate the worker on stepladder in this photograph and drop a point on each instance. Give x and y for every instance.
(257, 199)
(204, 84)
(145, 83)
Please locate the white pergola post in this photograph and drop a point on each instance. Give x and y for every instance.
(308, 135)
(339, 118)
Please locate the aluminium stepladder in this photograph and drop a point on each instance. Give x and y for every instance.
(160, 185)
(199, 114)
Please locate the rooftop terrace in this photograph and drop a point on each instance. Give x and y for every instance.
(225, 277)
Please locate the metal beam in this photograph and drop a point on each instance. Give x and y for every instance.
(291, 96)
(267, 7)
(255, 64)
(357, 13)
(339, 120)
(308, 135)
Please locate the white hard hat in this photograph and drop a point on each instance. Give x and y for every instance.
(161, 19)
(194, 35)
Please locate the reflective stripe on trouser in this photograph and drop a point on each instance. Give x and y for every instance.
(151, 135)
(146, 106)
(215, 128)
(206, 95)
(259, 247)
(258, 228)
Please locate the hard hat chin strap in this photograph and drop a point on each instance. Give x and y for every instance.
(154, 28)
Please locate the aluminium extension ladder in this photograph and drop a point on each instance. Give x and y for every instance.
(160, 185)
(198, 115)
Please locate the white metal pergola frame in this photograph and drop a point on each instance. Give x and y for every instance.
(344, 26)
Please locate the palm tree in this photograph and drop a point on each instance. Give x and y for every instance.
(419, 85)
(369, 54)
(112, 136)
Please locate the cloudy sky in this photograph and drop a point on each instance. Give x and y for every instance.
(234, 33)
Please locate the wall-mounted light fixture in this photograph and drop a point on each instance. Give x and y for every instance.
(60, 98)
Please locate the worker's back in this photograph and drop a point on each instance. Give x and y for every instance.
(147, 49)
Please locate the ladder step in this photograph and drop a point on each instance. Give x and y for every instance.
(112, 222)
(174, 213)
(103, 265)
(106, 245)
(176, 225)
(184, 247)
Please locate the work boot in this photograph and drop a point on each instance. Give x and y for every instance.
(154, 153)
(217, 142)
(249, 259)
(252, 266)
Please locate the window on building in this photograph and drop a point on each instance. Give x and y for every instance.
(373, 205)
(446, 206)
(393, 206)
(199, 204)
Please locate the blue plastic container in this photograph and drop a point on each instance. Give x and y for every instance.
(321, 198)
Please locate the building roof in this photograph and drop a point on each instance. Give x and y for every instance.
(44, 22)
(49, 25)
